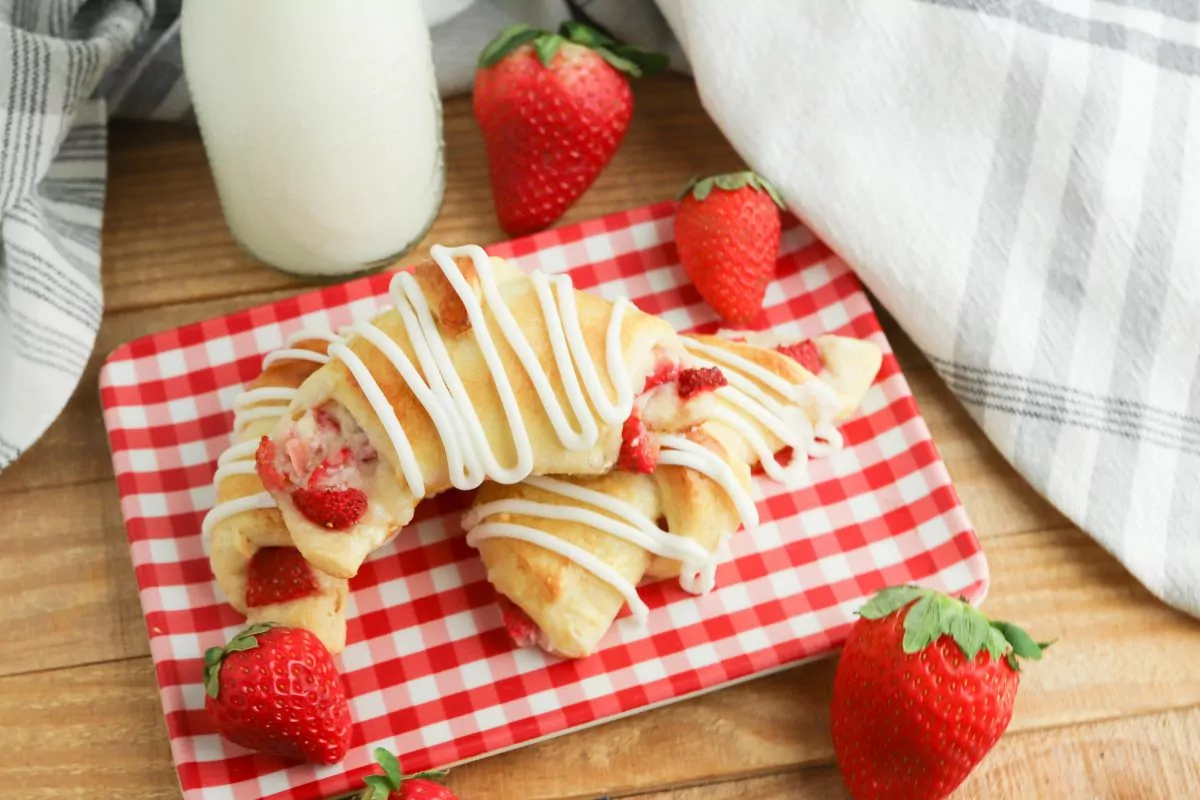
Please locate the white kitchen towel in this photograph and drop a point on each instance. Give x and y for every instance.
(1017, 181)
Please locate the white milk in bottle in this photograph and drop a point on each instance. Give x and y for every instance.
(322, 124)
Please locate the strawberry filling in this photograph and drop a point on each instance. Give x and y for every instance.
(666, 372)
(804, 353)
(522, 630)
(321, 463)
(639, 450)
(700, 379)
(278, 575)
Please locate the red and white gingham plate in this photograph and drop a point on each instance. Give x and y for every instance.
(429, 670)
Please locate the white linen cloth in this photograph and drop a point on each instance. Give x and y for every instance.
(1017, 181)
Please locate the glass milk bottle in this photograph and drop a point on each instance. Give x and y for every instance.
(322, 124)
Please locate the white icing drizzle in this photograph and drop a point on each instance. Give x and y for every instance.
(232, 508)
(747, 401)
(508, 530)
(442, 393)
(291, 353)
(265, 402)
(789, 422)
(682, 452)
(698, 566)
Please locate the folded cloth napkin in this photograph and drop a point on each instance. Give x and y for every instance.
(1017, 181)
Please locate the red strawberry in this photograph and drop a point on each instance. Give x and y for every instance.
(277, 575)
(924, 689)
(395, 785)
(276, 690)
(336, 509)
(639, 450)
(700, 379)
(805, 353)
(265, 459)
(727, 234)
(553, 109)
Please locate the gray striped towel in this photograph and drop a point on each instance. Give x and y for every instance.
(1017, 181)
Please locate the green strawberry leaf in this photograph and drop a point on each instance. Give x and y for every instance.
(380, 787)
(212, 680)
(436, 775)
(507, 41)
(213, 655)
(995, 644)
(1022, 643)
(916, 635)
(619, 63)
(969, 630)
(1012, 662)
(585, 34)
(241, 644)
(391, 767)
(770, 189)
(889, 600)
(703, 189)
(547, 46)
(647, 61)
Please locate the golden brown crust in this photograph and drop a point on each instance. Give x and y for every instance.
(445, 304)
(692, 504)
(236, 539)
(644, 339)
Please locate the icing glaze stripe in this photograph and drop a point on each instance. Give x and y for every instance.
(587, 561)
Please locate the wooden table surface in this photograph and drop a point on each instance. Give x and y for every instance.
(1113, 711)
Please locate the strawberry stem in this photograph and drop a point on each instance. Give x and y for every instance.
(701, 188)
(930, 615)
(627, 58)
(214, 657)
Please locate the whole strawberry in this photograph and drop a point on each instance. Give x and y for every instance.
(727, 234)
(394, 785)
(553, 109)
(924, 689)
(276, 690)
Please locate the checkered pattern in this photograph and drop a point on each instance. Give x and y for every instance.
(430, 672)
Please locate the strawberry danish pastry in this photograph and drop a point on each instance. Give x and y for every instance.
(565, 554)
(250, 550)
(479, 372)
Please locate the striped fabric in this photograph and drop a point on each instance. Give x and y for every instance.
(1018, 182)
(53, 55)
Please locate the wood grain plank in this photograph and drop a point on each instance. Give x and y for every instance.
(88, 732)
(1151, 757)
(67, 580)
(1058, 583)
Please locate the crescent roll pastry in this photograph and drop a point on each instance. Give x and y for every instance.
(566, 553)
(250, 550)
(479, 371)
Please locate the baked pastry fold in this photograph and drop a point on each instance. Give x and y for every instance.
(245, 519)
(566, 553)
(479, 371)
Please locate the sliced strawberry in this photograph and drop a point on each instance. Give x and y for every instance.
(265, 461)
(336, 509)
(278, 575)
(805, 354)
(665, 372)
(700, 379)
(523, 631)
(639, 450)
